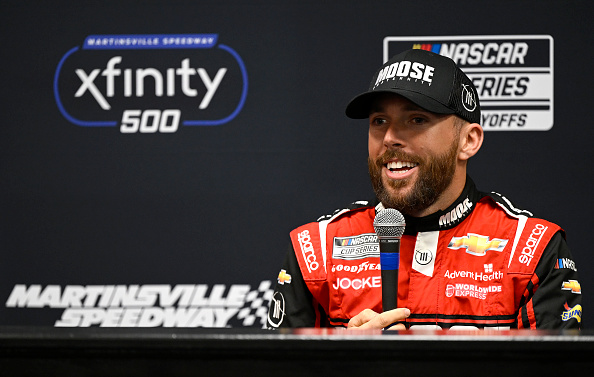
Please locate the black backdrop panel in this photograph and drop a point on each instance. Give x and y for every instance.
(233, 134)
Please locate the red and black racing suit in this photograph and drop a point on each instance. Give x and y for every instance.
(481, 263)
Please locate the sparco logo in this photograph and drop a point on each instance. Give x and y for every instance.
(513, 75)
(532, 243)
(308, 251)
(150, 83)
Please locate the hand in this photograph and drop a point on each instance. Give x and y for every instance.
(368, 319)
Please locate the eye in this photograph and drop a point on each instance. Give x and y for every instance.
(417, 120)
(377, 121)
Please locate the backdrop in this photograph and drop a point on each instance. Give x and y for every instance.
(154, 155)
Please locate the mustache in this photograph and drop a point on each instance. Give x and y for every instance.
(393, 154)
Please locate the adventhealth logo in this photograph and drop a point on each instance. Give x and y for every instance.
(150, 83)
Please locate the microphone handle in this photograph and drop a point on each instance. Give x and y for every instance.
(389, 261)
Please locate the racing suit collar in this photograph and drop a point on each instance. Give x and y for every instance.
(448, 218)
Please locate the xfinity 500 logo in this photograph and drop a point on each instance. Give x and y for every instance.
(150, 83)
(513, 75)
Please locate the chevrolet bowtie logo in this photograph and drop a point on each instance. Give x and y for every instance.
(476, 244)
(284, 277)
(573, 286)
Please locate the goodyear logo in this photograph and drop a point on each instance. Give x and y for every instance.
(513, 75)
(150, 83)
(569, 313)
(476, 244)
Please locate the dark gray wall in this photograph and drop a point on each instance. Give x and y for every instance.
(211, 206)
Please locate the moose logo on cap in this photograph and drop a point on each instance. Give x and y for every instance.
(405, 68)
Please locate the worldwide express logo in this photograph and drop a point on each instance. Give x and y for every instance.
(513, 75)
(150, 83)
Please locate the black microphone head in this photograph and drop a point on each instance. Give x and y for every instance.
(389, 223)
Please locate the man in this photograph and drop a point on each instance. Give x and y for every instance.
(467, 258)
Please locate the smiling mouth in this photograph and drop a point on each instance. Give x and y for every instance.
(401, 167)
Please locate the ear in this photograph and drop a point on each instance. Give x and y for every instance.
(471, 139)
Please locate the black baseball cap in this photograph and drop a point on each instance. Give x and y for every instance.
(432, 81)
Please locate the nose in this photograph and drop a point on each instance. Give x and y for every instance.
(393, 138)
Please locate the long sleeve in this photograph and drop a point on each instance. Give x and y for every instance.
(292, 304)
(553, 298)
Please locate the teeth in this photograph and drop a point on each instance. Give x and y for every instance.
(401, 164)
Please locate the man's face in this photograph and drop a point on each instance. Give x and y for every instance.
(412, 155)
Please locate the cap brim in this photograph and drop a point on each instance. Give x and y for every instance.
(360, 106)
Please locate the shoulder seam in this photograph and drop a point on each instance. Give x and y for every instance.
(508, 207)
(354, 205)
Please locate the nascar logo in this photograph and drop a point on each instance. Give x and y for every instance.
(565, 263)
(356, 247)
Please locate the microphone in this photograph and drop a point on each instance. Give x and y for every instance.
(389, 226)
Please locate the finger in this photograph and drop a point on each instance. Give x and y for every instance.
(396, 327)
(386, 319)
(362, 318)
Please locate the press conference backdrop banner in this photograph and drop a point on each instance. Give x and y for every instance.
(155, 155)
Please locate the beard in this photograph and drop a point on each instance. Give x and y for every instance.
(435, 175)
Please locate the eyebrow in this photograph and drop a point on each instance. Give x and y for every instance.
(376, 108)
